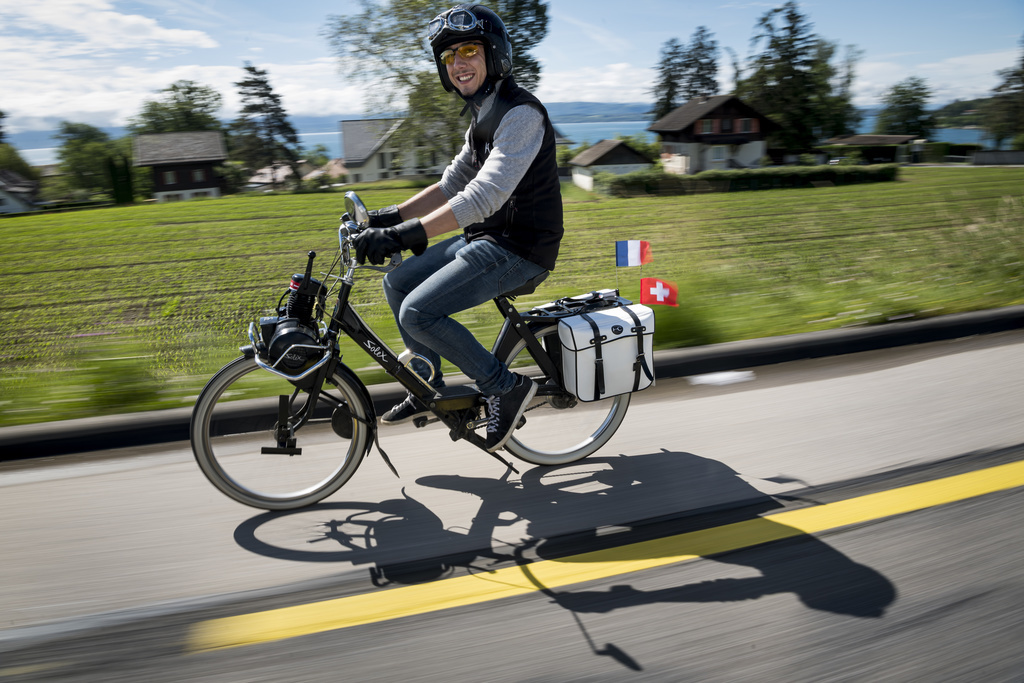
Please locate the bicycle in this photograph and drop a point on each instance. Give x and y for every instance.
(303, 446)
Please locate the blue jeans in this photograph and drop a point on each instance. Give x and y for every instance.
(449, 277)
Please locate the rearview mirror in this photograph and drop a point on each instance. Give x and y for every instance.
(355, 208)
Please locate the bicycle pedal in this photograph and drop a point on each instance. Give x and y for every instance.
(268, 450)
(424, 421)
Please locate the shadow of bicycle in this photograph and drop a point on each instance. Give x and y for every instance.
(562, 513)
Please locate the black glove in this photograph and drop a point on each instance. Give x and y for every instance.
(378, 244)
(385, 218)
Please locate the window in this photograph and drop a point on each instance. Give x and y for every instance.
(383, 159)
(726, 125)
(199, 175)
(718, 153)
(170, 177)
(746, 125)
(707, 126)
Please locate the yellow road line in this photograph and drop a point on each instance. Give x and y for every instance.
(368, 608)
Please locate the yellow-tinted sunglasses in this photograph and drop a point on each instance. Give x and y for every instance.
(465, 51)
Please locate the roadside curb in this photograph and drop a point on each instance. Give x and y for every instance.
(140, 429)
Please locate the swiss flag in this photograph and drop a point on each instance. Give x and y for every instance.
(656, 291)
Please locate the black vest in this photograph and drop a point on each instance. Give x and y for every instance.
(529, 224)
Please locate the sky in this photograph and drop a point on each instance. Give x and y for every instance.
(97, 61)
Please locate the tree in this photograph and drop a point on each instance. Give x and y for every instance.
(640, 143)
(384, 44)
(833, 91)
(262, 134)
(185, 106)
(83, 155)
(793, 82)
(685, 72)
(1004, 113)
(527, 24)
(904, 110)
(10, 160)
(318, 156)
(700, 66)
(670, 77)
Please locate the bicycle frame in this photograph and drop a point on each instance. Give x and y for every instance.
(456, 407)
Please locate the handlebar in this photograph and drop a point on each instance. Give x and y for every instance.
(348, 230)
(355, 220)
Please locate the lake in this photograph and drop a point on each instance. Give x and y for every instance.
(590, 133)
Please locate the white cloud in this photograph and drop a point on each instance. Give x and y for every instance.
(964, 77)
(968, 76)
(96, 27)
(101, 95)
(611, 83)
(314, 88)
(79, 60)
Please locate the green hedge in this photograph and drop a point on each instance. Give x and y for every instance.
(656, 181)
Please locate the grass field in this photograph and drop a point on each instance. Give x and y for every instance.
(127, 309)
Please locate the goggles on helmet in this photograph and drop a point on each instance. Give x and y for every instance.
(458, 20)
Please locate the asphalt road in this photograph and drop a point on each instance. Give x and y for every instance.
(113, 559)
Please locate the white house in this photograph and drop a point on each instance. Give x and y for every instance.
(370, 150)
(607, 156)
(710, 133)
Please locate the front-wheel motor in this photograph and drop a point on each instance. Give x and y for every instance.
(559, 429)
(235, 437)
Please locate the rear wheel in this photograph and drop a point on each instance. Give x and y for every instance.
(230, 437)
(559, 428)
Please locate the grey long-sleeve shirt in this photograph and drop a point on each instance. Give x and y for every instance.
(475, 195)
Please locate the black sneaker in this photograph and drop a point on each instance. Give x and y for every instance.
(408, 409)
(504, 412)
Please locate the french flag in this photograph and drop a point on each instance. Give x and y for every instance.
(632, 253)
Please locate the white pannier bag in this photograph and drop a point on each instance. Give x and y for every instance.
(607, 352)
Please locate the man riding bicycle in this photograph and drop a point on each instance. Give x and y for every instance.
(502, 191)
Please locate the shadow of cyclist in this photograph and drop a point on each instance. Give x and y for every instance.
(561, 512)
(619, 490)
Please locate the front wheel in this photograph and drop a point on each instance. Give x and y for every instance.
(560, 429)
(234, 425)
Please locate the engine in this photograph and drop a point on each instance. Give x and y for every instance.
(290, 346)
(292, 338)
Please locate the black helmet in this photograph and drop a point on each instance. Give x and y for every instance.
(465, 22)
